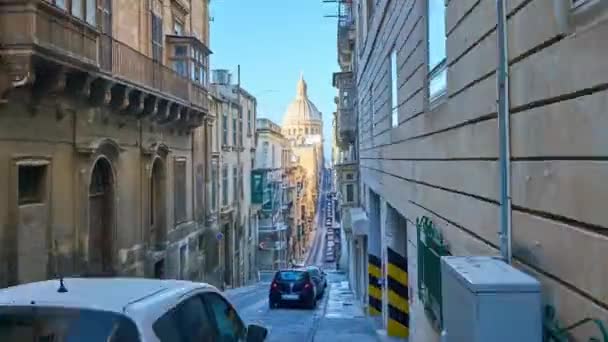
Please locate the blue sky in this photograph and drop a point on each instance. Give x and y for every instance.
(273, 41)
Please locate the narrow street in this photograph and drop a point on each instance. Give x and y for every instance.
(336, 317)
(316, 252)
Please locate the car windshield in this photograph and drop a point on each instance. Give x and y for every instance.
(44, 324)
(291, 275)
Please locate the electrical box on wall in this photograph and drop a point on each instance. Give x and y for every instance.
(486, 299)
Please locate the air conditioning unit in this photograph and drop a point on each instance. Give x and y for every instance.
(485, 299)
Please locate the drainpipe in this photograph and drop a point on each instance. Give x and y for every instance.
(504, 132)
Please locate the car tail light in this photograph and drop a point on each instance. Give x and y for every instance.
(274, 285)
(307, 286)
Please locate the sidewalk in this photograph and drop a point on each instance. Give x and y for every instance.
(344, 319)
(382, 335)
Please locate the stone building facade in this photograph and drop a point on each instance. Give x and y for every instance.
(237, 110)
(428, 137)
(99, 166)
(268, 195)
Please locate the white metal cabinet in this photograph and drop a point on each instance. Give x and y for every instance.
(485, 299)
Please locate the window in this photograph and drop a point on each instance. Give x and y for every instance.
(241, 132)
(180, 67)
(199, 61)
(350, 194)
(394, 89)
(437, 50)
(31, 179)
(196, 74)
(229, 325)
(306, 130)
(157, 38)
(370, 4)
(349, 176)
(214, 183)
(225, 185)
(235, 186)
(249, 121)
(178, 27)
(359, 27)
(21, 323)
(188, 322)
(77, 8)
(234, 128)
(241, 182)
(60, 4)
(105, 18)
(82, 9)
(273, 158)
(179, 191)
(225, 127)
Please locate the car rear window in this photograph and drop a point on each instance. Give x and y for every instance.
(291, 275)
(45, 324)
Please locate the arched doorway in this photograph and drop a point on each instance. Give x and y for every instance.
(101, 219)
(157, 206)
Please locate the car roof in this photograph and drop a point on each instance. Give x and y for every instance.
(107, 294)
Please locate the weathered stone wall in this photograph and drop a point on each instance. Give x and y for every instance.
(51, 235)
(441, 161)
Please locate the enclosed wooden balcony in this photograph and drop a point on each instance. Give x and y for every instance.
(42, 45)
(346, 121)
(346, 35)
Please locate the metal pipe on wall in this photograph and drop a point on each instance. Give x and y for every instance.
(504, 131)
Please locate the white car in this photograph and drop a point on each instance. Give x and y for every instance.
(120, 309)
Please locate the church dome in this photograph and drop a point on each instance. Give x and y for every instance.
(301, 110)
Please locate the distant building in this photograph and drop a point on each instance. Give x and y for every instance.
(275, 183)
(236, 132)
(303, 127)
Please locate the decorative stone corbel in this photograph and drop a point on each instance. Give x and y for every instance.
(101, 92)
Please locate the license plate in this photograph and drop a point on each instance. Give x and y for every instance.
(290, 297)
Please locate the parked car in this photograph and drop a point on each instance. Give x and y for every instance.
(120, 310)
(319, 277)
(293, 286)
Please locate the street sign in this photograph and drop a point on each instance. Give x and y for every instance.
(219, 236)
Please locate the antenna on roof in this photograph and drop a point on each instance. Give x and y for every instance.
(62, 288)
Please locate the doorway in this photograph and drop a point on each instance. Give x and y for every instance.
(101, 219)
(157, 206)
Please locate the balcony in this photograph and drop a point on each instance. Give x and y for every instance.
(346, 35)
(45, 49)
(346, 124)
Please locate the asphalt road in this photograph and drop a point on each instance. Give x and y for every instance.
(336, 318)
(316, 254)
(289, 324)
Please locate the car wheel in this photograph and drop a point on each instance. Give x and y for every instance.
(272, 305)
(313, 304)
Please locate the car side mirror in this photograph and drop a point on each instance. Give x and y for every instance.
(256, 333)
